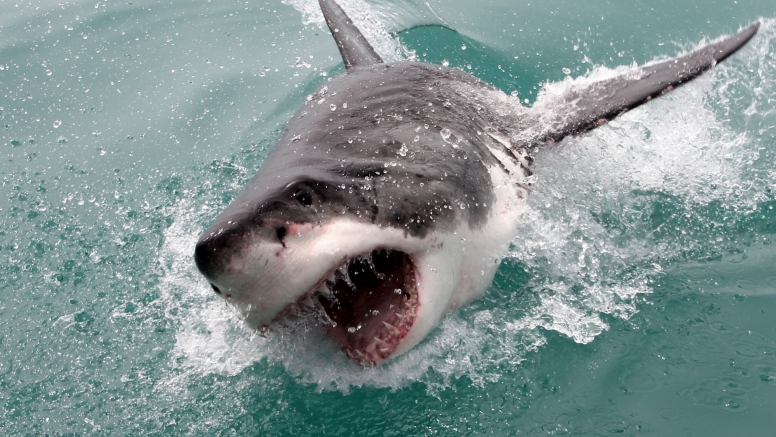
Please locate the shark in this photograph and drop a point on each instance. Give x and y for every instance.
(395, 191)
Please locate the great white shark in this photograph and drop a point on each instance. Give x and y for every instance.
(395, 191)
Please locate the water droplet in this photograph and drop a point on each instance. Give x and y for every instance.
(61, 140)
(446, 63)
(344, 106)
(445, 133)
(333, 107)
(403, 151)
(566, 70)
(416, 139)
(57, 123)
(463, 46)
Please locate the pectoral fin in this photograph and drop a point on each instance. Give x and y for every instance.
(588, 105)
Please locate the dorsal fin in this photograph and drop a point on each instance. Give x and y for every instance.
(355, 49)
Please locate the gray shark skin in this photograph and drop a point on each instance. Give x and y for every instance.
(394, 192)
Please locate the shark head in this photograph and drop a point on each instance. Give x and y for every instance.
(381, 289)
(381, 269)
(369, 216)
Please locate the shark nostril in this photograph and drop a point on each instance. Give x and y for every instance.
(215, 289)
(281, 234)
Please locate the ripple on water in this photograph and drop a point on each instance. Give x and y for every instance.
(771, 282)
(639, 380)
(708, 393)
(747, 349)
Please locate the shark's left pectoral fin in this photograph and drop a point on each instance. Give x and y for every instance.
(584, 106)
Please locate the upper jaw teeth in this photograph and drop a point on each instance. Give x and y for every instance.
(325, 286)
(343, 270)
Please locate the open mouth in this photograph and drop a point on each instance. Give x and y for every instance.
(370, 302)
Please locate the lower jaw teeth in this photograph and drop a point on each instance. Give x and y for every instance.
(308, 302)
(339, 295)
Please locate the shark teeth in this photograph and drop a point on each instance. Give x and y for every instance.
(394, 324)
(391, 328)
(308, 302)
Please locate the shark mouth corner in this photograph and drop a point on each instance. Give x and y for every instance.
(371, 303)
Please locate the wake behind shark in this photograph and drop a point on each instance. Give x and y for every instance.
(394, 192)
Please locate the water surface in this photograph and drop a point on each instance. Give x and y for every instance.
(638, 298)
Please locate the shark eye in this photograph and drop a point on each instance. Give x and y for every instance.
(215, 289)
(303, 197)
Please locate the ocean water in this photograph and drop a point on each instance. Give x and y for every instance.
(639, 297)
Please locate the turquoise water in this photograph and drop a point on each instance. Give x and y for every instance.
(639, 297)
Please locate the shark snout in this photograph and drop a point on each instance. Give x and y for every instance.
(225, 247)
